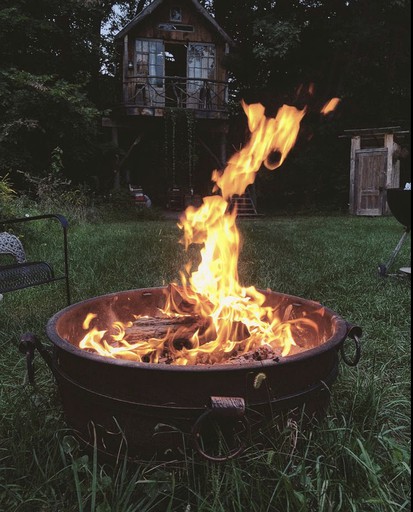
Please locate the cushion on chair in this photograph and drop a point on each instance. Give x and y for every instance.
(23, 275)
(10, 244)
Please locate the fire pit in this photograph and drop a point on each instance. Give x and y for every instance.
(159, 368)
(159, 409)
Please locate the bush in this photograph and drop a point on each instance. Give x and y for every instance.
(55, 194)
(7, 198)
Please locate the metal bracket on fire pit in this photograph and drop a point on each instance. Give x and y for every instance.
(232, 411)
(28, 344)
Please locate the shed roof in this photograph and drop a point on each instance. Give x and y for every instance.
(374, 131)
(156, 3)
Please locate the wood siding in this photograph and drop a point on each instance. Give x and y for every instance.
(373, 170)
(370, 181)
(202, 33)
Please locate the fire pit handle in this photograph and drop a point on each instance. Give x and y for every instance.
(221, 407)
(354, 333)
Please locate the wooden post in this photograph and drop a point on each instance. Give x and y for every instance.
(223, 149)
(217, 159)
(125, 70)
(388, 144)
(355, 146)
(116, 166)
(393, 171)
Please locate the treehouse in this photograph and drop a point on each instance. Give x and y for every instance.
(172, 56)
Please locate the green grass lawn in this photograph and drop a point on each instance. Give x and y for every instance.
(357, 459)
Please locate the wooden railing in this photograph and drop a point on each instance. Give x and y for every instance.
(172, 91)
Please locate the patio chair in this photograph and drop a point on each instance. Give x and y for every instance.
(16, 271)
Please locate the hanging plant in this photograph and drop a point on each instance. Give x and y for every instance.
(179, 145)
(170, 148)
(190, 122)
(173, 144)
(166, 144)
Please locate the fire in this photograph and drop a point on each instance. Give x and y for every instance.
(330, 106)
(231, 319)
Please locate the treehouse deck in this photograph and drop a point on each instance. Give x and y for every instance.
(150, 96)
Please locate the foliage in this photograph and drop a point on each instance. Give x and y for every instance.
(61, 72)
(180, 155)
(333, 45)
(40, 113)
(54, 193)
(48, 84)
(7, 195)
(275, 39)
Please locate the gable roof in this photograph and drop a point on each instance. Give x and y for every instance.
(156, 3)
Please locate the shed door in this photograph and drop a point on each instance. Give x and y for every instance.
(370, 181)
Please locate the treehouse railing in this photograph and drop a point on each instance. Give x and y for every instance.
(172, 91)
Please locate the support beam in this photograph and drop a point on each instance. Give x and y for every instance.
(119, 163)
(223, 147)
(218, 161)
(355, 146)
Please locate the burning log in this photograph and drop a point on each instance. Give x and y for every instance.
(182, 327)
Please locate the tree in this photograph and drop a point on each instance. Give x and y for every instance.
(49, 83)
(40, 113)
(358, 50)
(304, 52)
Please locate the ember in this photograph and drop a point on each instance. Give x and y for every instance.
(211, 318)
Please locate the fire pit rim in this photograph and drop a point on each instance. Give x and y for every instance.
(341, 328)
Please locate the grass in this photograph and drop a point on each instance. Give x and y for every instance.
(356, 459)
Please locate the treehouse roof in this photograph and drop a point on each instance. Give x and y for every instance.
(156, 3)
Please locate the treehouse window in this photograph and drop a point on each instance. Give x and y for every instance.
(175, 27)
(201, 69)
(150, 61)
(201, 61)
(175, 14)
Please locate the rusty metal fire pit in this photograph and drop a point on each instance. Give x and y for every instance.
(160, 410)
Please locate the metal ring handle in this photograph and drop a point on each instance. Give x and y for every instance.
(357, 355)
(196, 434)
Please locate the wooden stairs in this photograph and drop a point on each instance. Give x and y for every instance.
(244, 204)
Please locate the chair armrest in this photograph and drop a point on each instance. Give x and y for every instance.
(63, 221)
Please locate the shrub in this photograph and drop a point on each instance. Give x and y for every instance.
(7, 197)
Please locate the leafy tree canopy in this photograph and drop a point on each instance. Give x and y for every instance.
(57, 66)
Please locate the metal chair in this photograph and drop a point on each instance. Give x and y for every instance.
(22, 273)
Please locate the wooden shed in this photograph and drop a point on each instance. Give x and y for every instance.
(374, 167)
(173, 56)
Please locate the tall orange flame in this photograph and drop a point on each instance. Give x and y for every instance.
(236, 319)
(228, 303)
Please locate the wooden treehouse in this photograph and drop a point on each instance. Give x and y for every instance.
(172, 64)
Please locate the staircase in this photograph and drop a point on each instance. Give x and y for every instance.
(245, 205)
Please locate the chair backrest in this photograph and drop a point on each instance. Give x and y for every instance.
(10, 244)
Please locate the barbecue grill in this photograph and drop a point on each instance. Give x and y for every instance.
(399, 202)
(160, 410)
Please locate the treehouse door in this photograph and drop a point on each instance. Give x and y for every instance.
(201, 69)
(150, 72)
